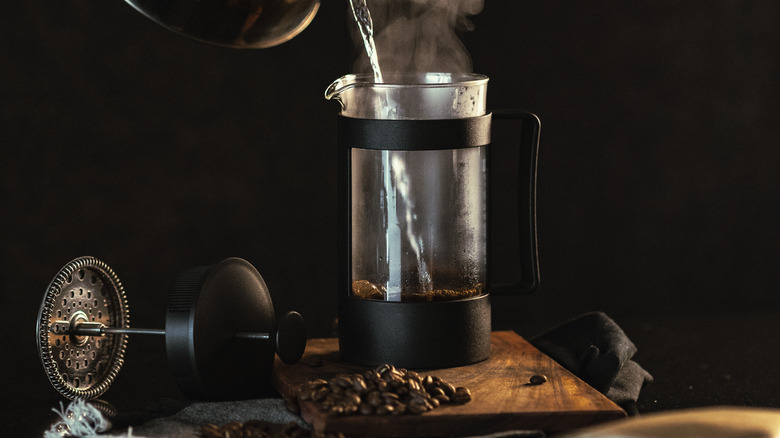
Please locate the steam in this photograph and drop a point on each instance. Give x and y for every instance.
(413, 36)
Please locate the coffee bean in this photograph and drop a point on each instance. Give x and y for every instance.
(343, 381)
(353, 399)
(231, 430)
(537, 379)
(233, 425)
(320, 394)
(461, 395)
(415, 408)
(359, 384)
(366, 409)
(435, 391)
(382, 369)
(210, 430)
(443, 399)
(418, 396)
(364, 289)
(375, 398)
(448, 388)
(316, 383)
(396, 375)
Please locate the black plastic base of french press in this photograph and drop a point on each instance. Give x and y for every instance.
(426, 335)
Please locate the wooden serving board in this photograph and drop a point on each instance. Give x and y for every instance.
(502, 398)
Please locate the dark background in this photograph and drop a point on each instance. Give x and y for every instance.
(658, 186)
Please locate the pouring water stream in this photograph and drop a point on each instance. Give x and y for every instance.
(396, 179)
(366, 25)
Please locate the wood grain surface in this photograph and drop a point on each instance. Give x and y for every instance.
(502, 397)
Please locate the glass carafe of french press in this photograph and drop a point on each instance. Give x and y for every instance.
(414, 282)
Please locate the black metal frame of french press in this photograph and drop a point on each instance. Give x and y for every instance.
(428, 339)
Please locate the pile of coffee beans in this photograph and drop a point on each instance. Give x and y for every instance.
(259, 429)
(385, 390)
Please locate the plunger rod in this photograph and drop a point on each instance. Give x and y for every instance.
(244, 335)
(128, 331)
(98, 329)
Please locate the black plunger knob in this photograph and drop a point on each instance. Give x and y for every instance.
(290, 337)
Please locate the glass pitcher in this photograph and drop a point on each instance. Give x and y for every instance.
(414, 191)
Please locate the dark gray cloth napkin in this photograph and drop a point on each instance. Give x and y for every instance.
(595, 349)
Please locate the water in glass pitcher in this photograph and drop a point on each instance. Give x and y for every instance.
(418, 224)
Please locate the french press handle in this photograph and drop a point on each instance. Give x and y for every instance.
(529, 148)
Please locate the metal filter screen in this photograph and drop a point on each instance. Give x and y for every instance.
(85, 290)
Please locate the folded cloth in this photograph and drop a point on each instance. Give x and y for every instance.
(187, 422)
(595, 349)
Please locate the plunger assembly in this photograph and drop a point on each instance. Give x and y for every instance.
(220, 330)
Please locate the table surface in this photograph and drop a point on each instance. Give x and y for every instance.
(696, 360)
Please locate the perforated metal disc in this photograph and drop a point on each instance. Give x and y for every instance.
(86, 290)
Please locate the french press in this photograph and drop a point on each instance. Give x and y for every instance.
(414, 282)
